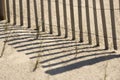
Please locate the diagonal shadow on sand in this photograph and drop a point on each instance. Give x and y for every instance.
(63, 54)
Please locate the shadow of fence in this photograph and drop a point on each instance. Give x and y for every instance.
(56, 54)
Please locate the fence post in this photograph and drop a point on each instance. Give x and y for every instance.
(42, 15)
(28, 14)
(88, 21)
(114, 37)
(80, 20)
(96, 23)
(2, 10)
(65, 18)
(72, 20)
(21, 12)
(58, 17)
(8, 11)
(36, 18)
(50, 16)
(14, 12)
(104, 24)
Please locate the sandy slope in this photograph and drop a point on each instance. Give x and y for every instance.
(59, 60)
